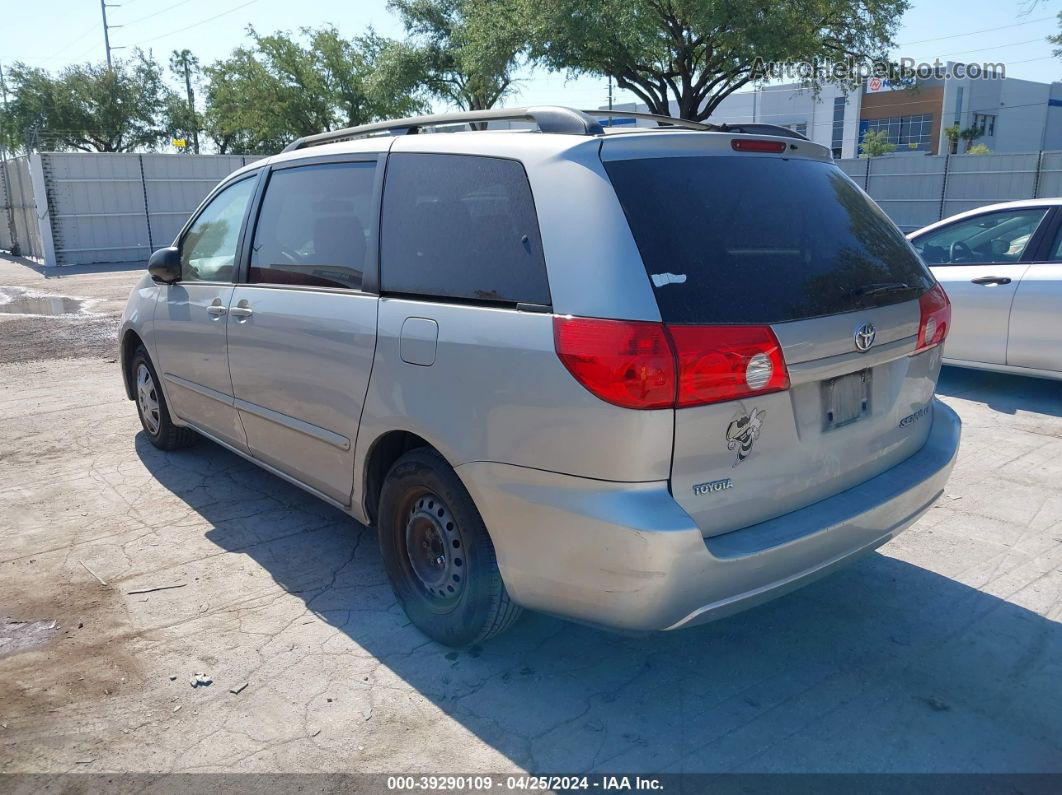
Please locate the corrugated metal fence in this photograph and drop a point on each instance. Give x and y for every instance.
(918, 190)
(79, 208)
(20, 231)
(108, 208)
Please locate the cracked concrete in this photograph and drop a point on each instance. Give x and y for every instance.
(942, 652)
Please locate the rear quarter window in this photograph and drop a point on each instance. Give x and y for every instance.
(463, 227)
(761, 239)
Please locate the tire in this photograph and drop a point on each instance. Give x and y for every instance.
(438, 555)
(151, 405)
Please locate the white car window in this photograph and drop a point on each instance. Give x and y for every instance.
(994, 237)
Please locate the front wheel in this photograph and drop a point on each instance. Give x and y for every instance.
(151, 406)
(438, 555)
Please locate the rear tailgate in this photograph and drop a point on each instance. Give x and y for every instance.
(783, 240)
(845, 418)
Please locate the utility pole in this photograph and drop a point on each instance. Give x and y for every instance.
(610, 92)
(183, 60)
(104, 5)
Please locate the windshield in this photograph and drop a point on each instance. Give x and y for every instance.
(749, 239)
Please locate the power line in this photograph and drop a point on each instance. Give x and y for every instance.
(138, 20)
(975, 32)
(200, 22)
(987, 49)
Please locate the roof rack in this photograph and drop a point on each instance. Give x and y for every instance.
(662, 121)
(549, 118)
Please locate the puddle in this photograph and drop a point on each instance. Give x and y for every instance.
(19, 301)
(21, 635)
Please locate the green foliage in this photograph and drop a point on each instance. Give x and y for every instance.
(971, 134)
(463, 51)
(979, 149)
(875, 144)
(277, 89)
(698, 52)
(90, 108)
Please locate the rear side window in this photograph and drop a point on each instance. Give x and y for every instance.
(314, 226)
(732, 239)
(457, 226)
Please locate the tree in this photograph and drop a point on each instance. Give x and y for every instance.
(276, 89)
(971, 134)
(1057, 38)
(698, 52)
(953, 132)
(464, 51)
(90, 108)
(876, 143)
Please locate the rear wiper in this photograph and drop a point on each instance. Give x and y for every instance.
(879, 289)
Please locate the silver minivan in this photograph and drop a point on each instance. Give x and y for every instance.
(641, 375)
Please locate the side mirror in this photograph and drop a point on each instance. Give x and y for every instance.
(165, 265)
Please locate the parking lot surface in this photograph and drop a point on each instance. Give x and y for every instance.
(940, 652)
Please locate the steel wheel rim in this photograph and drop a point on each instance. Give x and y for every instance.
(435, 551)
(147, 399)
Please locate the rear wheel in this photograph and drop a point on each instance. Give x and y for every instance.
(151, 406)
(438, 555)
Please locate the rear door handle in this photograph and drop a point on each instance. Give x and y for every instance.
(991, 280)
(241, 311)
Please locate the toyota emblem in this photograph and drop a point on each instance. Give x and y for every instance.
(864, 336)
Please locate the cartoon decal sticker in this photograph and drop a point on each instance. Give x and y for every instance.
(743, 432)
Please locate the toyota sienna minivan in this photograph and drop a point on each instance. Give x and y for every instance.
(639, 377)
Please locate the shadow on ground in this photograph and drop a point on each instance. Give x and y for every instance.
(1001, 391)
(884, 666)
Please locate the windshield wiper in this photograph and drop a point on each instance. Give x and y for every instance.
(880, 289)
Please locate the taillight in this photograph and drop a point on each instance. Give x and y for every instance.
(643, 365)
(719, 363)
(628, 363)
(935, 321)
(757, 145)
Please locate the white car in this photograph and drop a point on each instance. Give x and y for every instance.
(1001, 265)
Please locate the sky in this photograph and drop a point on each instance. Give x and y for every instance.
(54, 33)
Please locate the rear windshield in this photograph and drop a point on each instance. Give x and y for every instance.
(749, 239)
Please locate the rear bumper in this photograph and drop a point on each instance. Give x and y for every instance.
(626, 556)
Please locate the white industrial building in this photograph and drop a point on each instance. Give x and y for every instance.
(1014, 115)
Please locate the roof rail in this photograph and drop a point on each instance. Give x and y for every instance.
(662, 121)
(762, 129)
(549, 118)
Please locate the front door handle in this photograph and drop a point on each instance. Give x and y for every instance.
(217, 310)
(991, 280)
(241, 311)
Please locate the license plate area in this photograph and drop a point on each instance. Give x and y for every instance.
(846, 399)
